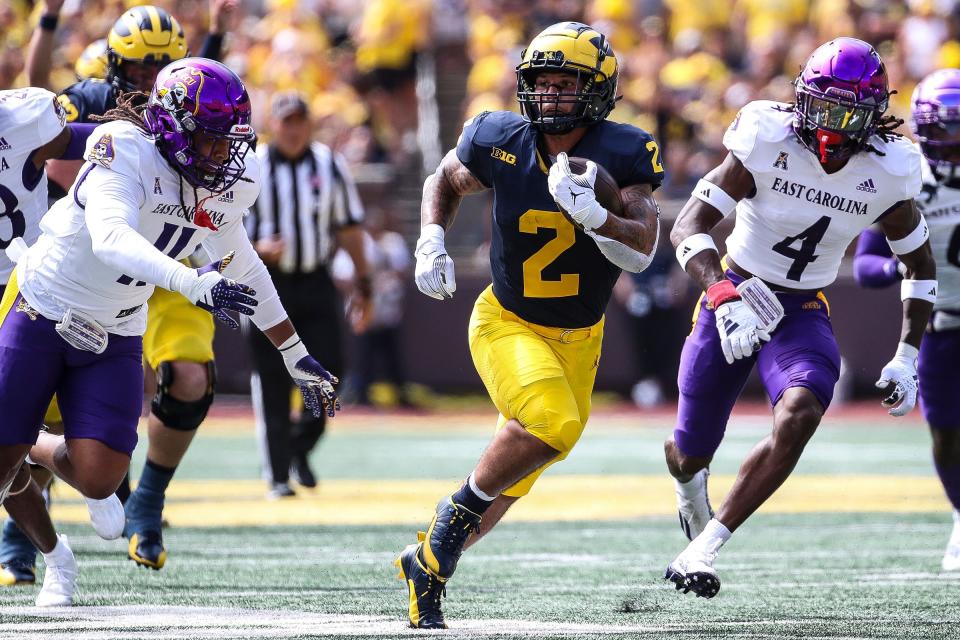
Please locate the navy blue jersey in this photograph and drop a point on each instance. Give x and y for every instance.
(544, 269)
(87, 98)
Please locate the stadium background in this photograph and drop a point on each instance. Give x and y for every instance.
(391, 81)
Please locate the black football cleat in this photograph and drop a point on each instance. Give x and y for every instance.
(424, 589)
(146, 549)
(451, 526)
(301, 472)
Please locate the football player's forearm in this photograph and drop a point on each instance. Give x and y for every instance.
(440, 202)
(704, 268)
(39, 58)
(916, 313)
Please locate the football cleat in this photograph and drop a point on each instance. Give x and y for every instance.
(146, 549)
(694, 511)
(301, 472)
(446, 535)
(280, 490)
(17, 572)
(423, 587)
(693, 571)
(107, 517)
(951, 558)
(60, 578)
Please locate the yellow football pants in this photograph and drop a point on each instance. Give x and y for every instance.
(540, 376)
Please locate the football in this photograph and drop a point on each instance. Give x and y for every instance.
(606, 188)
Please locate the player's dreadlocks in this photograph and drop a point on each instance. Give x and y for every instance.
(130, 108)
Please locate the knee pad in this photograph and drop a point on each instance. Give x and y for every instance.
(178, 414)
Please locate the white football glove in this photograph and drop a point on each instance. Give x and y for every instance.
(740, 331)
(574, 193)
(900, 374)
(434, 272)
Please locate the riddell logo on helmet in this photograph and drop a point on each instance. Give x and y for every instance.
(241, 129)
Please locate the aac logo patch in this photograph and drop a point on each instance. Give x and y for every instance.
(781, 161)
(502, 155)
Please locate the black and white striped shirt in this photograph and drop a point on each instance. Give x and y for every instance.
(304, 202)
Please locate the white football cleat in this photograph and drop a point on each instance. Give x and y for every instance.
(693, 504)
(951, 558)
(693, 570)
(60, 577)
(107, 517)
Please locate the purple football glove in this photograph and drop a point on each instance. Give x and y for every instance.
(315, 382)
(218, 295)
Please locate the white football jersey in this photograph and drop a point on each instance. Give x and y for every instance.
(941, 208)
(61, 271)
(29, 119)
(795, 230)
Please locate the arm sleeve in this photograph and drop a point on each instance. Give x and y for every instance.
(247, 268)
(111, 213)
(874, 265)
(622, 255)
(474, 156)
(79, 132)
(212, 46)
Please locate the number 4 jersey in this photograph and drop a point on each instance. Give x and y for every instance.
(796, 228)
(544, 270)
(29, 119)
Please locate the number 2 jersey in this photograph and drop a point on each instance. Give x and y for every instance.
(29, 119)
(795, 229)
(544, 269)
(138, 201)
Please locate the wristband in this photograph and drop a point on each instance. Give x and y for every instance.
(720, 292)
(906, 352)
(292, 349)
(48, 22)
(692, 245)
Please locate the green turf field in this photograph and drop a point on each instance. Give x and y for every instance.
(850, 550)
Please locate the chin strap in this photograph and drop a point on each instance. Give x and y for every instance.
(827, 138)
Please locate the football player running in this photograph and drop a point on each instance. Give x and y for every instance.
(73, 313)
(805, 180)
(178, 343)
(935, 120)
(33, 130)
(535, 334)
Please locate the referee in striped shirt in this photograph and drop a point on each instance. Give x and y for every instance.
(308, 206)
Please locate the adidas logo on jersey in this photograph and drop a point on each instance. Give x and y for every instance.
(3, 144)
(226, 197)
(867, 185)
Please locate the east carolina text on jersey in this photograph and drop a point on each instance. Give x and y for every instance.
(544, 269)
(61, 270)
(796, 228)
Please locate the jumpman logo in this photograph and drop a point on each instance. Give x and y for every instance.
(574, 194)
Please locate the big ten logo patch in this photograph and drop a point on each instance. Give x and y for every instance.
(503, 156)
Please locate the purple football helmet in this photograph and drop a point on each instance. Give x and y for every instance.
(935, 120)
(199, 112)
(841, 95)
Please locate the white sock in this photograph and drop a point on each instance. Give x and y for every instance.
(57, 554)
(691, 489)
(480, 494)
(714, 536)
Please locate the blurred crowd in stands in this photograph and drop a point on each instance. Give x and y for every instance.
(687, 65)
